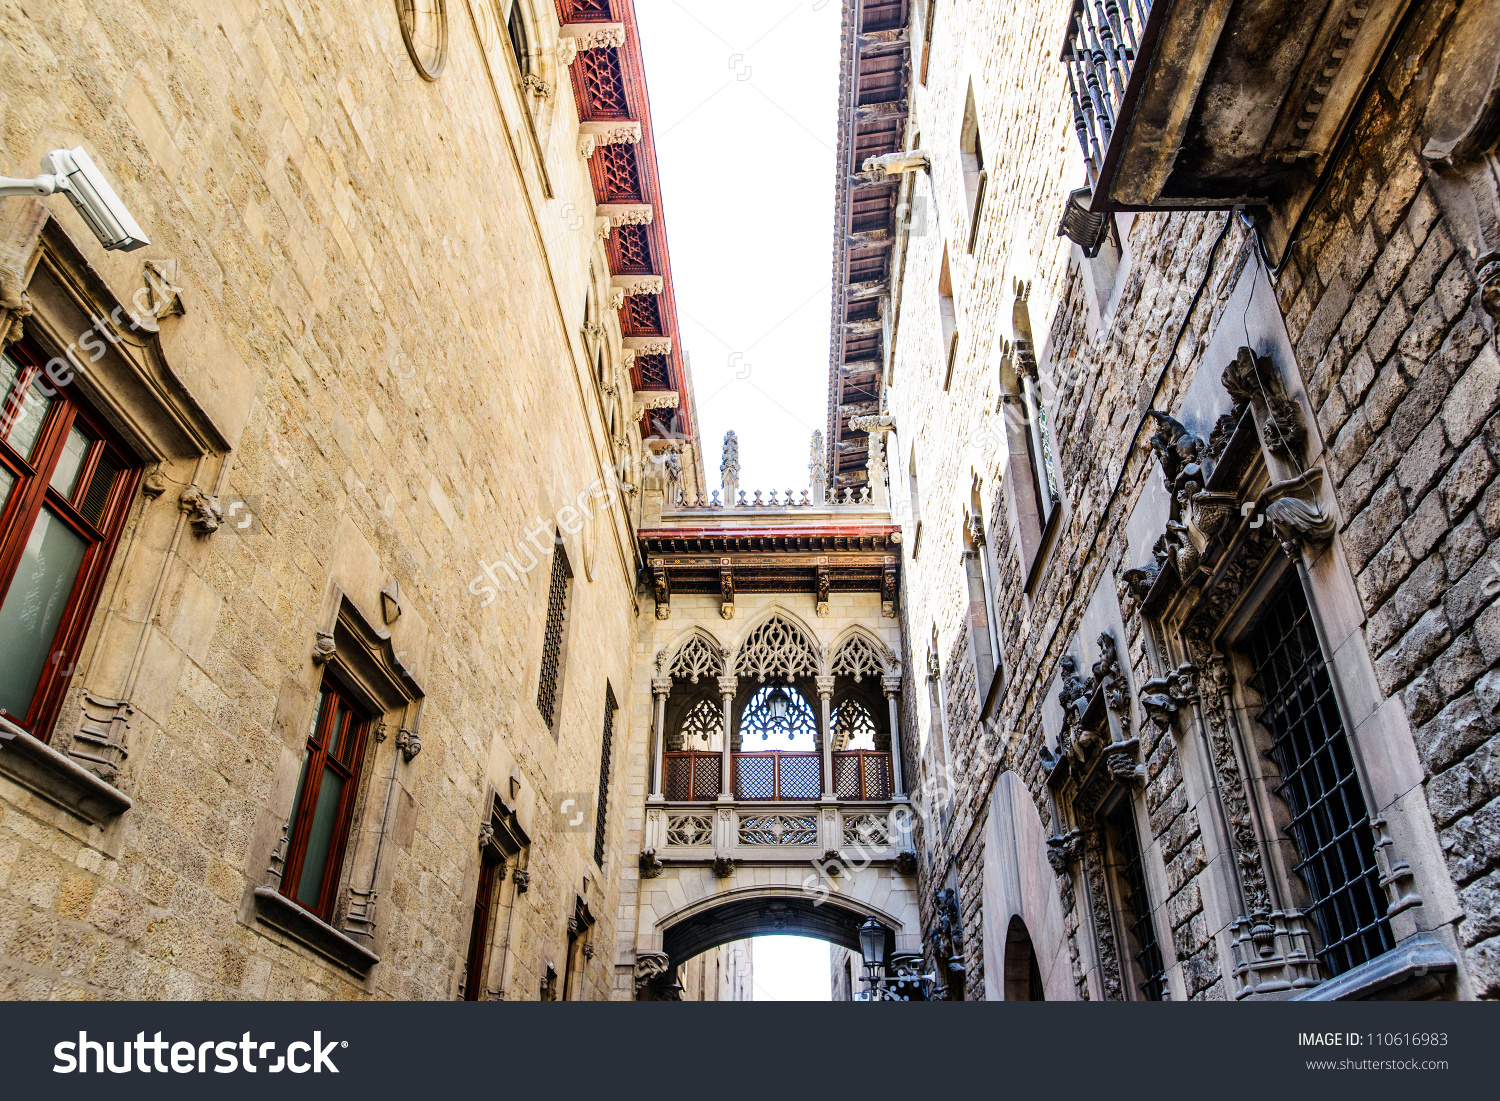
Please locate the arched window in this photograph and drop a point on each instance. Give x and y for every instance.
(703, 720)
(853, 726)
(781, 718)
(520, 45)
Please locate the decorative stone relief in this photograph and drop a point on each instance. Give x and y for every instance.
(627, 214)
(205, 514)
(895, 164)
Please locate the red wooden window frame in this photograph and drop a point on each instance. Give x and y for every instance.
(32, 491)
(337, 744)
(490, 867)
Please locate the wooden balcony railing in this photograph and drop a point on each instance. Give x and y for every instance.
(693, 776)
(778, 775)
(862, 774)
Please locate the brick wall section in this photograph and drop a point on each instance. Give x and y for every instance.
(1400, 364)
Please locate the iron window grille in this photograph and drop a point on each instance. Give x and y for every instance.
(557, 606)
(1330, 824)
(602, 818)
(1150, 967)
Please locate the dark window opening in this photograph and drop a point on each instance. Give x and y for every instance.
(479, 936)
(1150, 970)
(601, 820)
(1330, 821)
(552, 643)
(519, 46)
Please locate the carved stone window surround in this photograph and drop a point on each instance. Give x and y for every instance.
(366, 664)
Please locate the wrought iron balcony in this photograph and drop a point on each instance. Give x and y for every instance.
(693, 776)
(1098, 54)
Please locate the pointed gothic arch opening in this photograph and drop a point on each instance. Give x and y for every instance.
(1023, 976)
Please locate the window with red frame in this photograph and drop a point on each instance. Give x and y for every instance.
(319, 828)
(65, 488)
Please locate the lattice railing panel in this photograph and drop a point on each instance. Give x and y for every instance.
(690, 829)
(801, 777)
(846, 775)
(603, 84)
(862, 775)
(633, 249)
(877, 775)
(643, 315)
(654, 374)
(690, 777)
(779, 829)
(755, 777)
(616, 173)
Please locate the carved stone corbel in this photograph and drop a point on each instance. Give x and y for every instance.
(650, 864)
(324, 649)
(649, 967)
(726, 589)
(522, 879)
(723, 867)
(409, 742)
(1293, 510)
(205, 514)
(825, 583)
(661, 588)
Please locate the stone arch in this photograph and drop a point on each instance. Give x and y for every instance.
(754, 655)
(711, 915)
(1020, 883)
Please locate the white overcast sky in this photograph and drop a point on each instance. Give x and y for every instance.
(744, 100)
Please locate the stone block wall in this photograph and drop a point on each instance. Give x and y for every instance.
(383, 292)
(1398, 361)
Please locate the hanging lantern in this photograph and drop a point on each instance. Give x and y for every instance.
(778, 703)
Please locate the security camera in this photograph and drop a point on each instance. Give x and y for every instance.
(73, 173)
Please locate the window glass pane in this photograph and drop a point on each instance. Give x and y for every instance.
(9, 369)
(320, 839)
(70, 462)
(34, 607)
(7, 482)
(29, 420)
(336, 735)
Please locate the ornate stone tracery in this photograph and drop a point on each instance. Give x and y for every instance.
(696, 660)
(858, 658)
(777, 649)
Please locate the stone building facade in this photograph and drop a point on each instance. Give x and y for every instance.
(324, 628)
(1195, 486)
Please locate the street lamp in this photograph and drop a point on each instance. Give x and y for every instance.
(872, 949)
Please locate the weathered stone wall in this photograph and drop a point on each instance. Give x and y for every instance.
(1400, 364)
(384, 291)
(1400, 373)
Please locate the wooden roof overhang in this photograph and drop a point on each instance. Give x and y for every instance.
(609, 85)
(793, 559)
(873, 90)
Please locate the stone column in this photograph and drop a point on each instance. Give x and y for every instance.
(727, 688)
(892, 685)
(661, 688)
(825, 694)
